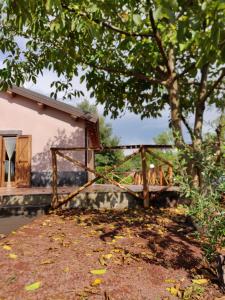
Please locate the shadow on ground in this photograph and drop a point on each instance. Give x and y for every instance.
(167, 233)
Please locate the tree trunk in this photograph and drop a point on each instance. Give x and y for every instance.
(198, 125)
(200, 108)
(173, 89)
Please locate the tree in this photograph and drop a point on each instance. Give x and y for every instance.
(135, 55)
(106, 158)
(164, 138)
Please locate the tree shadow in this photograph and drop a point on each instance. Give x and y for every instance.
(170, 243)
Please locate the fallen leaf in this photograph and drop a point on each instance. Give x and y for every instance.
(200, 281)
(117, 250)
(66, 270)
(98, 272)
(102, 261)
(170, 281)
(33, 286)
(6, 247)
(12, 255)
(119, 237)
(108, 256)
(98, 250)
(97, 281)
(174, 291)
(47, 262)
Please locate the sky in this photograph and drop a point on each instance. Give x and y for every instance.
(129, 127)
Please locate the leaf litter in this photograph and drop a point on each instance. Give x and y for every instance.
(105, 255)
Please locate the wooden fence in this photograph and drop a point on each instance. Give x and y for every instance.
(160, 175)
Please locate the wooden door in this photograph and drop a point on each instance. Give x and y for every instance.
(23, 160)
(1, 161)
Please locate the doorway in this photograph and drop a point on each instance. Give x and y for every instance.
(15, 161)
(10, 160)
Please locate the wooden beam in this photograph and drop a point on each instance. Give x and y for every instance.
(158, 157)
(41, 105)
(75, 193)
(104, 176)
(54, 179)
(98, 149)
(170, 175)
(12, 94)
(56, 203)
(144, 174)
(75, 118)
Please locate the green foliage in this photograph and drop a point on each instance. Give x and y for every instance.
(164, 138)
(206, 206)
(114, 43)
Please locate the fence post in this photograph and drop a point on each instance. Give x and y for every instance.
(170, 174)
(160, 175)
(54, 179)
(144, 175)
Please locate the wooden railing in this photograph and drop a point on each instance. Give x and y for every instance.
(160, 175)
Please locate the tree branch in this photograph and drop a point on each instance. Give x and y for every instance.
(158, 40)
(108, 25)
(215, 85)
(132, 73)
(189, 129)
(220, 132)
(203, 83)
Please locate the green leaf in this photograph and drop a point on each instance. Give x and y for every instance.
(48, 5)
(98, 272)
(137, 19)
(33, 286)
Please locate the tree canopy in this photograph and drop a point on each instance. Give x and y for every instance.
(136, 55)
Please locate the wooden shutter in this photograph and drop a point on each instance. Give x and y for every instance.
(1, 160)
(23, 161)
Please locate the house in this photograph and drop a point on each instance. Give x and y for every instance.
(30, 125)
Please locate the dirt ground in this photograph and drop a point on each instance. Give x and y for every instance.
(105, 255)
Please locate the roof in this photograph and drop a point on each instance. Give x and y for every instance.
(91, 120)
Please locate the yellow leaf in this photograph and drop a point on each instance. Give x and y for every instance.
(200, 281)
(117, 250)
(119, 237)
(173, 291)
(12, 255)
(33, 286)
(108, 256)
(47, 262)
(6, 247)
(66, 270)
(98, 272)
(97, 281)
(170, 281)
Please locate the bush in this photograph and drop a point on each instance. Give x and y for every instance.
(206, 207)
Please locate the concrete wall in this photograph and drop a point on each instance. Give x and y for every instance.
(48, 127)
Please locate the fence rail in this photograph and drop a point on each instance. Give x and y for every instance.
(162, 175)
